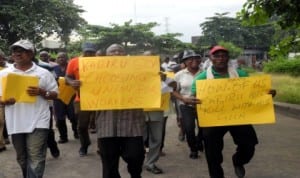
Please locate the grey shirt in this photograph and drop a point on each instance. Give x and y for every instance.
(120, 123)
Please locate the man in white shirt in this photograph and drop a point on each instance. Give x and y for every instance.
(28, 123)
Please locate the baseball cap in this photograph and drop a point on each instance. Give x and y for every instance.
(87, 46)
(25, 44)
(217, 48)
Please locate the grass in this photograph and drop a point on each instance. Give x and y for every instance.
(287, 87)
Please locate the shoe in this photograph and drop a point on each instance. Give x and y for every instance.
(76, 136)
(2, 149)
(154, 170)
(239, 171)
(6, 141)
(83, 151)
(194, 155)
(62, 141)
(162, 153)
(93, 131)
(200, 147)
(55, 153)
(181, 137)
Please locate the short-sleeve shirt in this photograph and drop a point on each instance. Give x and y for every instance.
(203, 75)
(120, 123)
(184, 80)
(73, 68)
(25, 117)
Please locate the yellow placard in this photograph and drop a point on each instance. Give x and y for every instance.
(66, 92)
(170, 74)
(237, 101)
(165, 103)
(119, 82)
(15, 86)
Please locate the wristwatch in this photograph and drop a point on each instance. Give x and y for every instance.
(47, 94)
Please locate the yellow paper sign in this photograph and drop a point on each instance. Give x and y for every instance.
(66, 92)
(119, 82)
(237, 101)
(165, 103)
(15, 86)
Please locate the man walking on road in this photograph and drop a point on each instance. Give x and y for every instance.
(120, 134)
(244, 136)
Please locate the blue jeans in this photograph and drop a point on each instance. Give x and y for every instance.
(31, 149)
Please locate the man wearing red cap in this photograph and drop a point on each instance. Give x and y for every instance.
(244, 136)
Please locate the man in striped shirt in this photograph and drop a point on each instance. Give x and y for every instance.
(120, 134)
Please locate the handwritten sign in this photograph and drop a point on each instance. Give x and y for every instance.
(15, 86)
(237, 101)
(165, 103)
(119, 82)
(66, 92)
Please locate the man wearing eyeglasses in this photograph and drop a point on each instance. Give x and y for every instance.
(28, 123)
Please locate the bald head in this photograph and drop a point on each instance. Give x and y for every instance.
(115, 50)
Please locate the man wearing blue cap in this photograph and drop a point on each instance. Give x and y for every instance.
(73, 79)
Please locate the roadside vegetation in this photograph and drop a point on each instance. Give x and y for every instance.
(287, 87)
(285, 79)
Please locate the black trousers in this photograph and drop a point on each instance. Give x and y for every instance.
(83, 122)
(5, 134)
(61, 111)
(52, 144)
(244, 137)
(189, 116)
(131, 149)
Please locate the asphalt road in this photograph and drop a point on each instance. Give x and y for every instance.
(277, 156)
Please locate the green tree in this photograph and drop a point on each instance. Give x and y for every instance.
(135, 37)
(221, 28)
(168, 43)
(234, 51)
(285, 14)
(36, 19)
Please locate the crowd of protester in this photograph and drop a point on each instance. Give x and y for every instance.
(135, 135)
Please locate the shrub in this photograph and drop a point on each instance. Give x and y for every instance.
(249, 70)
(284, 66)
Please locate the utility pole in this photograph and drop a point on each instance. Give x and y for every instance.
(134, 9)
(167, 24)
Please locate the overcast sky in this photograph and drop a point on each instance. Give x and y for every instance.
(174, 16)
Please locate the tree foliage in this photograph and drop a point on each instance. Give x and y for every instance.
(37, 19)
(222, 28)
(285, 14)
(136, 38)
(234, 51)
